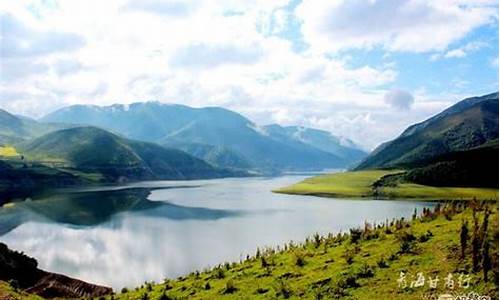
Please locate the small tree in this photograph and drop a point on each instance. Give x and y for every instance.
(486, 259)
(486, 262)
(476, 244)
(464, 235)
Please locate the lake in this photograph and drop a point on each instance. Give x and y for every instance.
(123, 236)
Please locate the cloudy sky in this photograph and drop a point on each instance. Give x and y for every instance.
(364, 69)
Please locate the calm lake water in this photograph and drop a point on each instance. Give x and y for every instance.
(123, 236)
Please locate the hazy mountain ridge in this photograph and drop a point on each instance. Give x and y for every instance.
(237, 138)
(14, 129)
(320, 139)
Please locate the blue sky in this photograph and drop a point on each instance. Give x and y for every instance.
(362, 69)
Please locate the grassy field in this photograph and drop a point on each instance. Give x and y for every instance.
(359, 184)
(365, 264)
(8, 151)
(10, 293)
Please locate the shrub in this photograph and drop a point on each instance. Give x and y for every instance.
(299, 259)
(230, 287)
(348, 282)
(124, 290)
(317, 240)
(348, 255)
(381, 263)
(355, 235)
(393, 257)
(425, 237)
(14, 284)
(263, 262)
(365, 271)
(219, 273)
(283, 289)
(407, 242)
(163, 296)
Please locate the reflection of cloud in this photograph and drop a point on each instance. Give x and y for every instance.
(131, 248)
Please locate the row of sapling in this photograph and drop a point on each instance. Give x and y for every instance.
(481, 242)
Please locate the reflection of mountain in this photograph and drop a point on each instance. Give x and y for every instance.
(96, 207)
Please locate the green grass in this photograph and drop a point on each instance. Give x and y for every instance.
(8, 292)
(8, 151)
(411, 190)
(359, 184)
(319, 268)
(348, 184)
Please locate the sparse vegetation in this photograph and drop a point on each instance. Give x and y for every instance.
(431, 244)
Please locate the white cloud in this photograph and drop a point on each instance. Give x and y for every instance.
(395, 25)
(399, 99)
(225, 52)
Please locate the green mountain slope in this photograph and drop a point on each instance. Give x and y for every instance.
(216, 155)
(213, 126)
(466, 125)
(94, 150)
(14, 129)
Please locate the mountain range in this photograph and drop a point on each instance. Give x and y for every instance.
(220, 136)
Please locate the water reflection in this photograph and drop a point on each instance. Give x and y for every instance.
(152, 230)
(93, 207)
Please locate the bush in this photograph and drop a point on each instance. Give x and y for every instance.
(317, 240)
(349, 256)
(263, 262)
(283, 289)
(381, 263)
(14, 284)
(407, 242)
(365, 271)
(124, 290)
(356, 234)
(299, 259)
(164, 297)
(230, 287)
(348, 282)
(425, 237)
(219, 273)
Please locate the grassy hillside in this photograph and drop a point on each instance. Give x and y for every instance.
(94, 150)
(219, 156)
(9, 292)
(365, 264)
(375, 183)
(468, 124)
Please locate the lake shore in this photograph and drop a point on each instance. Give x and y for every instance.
(364, 184)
